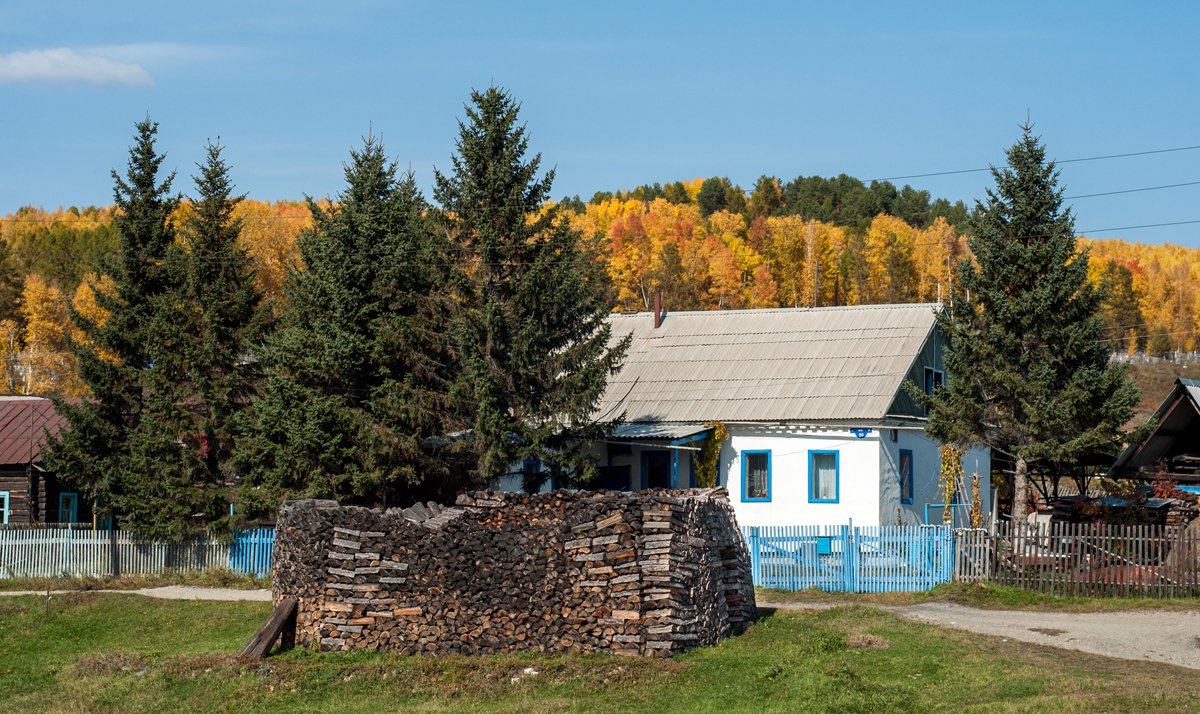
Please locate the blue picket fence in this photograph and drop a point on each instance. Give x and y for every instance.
(848, 559)
(250, 553)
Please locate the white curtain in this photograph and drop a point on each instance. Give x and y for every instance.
(824, 477)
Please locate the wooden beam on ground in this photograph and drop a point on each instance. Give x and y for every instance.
(282, 622)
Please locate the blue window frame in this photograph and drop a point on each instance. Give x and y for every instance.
(4, 507)
(756, 476)
(905, 467)
(68, 507)
(824, 478)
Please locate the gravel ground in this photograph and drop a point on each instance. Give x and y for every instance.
(1170, 637)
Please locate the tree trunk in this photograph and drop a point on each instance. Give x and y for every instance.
(1020, 507)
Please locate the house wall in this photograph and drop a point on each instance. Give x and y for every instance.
(39, 504)
(926, 490)
(858, 474)
(633, 460)
(20, 504)
(932, 355)
(610, 456)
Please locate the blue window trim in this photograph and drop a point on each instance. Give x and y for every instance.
(5, 496)
(75, 510)
(837, 476)
(745, 497)
(911, 475)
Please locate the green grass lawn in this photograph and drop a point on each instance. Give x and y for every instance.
(92, 652)
(982, 595)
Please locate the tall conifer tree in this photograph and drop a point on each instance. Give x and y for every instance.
(354, 399)
(1028, 362)
(204, 377)
(117, 355)
(532, 337)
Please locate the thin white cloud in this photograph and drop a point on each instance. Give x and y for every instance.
(152, 53)
(65, 65)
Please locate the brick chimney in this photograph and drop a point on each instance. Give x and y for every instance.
(658, 311)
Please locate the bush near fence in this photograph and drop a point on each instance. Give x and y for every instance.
(72, 551)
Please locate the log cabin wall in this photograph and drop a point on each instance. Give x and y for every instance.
(651, 573)
(21, 503)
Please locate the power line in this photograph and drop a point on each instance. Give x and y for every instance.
(1063, 161)
(1083, 234)
(1131, 190)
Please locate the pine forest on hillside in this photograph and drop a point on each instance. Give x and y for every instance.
(707, 243)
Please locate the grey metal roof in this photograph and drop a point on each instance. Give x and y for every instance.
(796, 365)
(658, 431)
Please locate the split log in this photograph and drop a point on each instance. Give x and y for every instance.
(281, 625)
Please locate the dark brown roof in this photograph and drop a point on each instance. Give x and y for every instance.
(25, 424)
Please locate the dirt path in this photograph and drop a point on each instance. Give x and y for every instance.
(1170, 637)
(168, 592)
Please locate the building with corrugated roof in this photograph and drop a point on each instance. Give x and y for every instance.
(821, 428)
(28, 493)
(1172, 449)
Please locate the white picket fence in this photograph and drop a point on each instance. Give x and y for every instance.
(75, 552)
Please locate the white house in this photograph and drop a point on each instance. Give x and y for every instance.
(820, 427)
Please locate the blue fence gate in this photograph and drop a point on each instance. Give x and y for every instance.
(849, 559)
(250, 553)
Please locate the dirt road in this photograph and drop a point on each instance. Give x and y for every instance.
(1171, 637)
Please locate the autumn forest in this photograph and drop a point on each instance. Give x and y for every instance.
(706, 243)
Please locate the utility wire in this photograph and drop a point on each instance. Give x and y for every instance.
(929, 174)
(1131, 190)
(1063, 161)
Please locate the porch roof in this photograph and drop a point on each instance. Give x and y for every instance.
(659, 430)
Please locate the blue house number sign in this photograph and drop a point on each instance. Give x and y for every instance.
(860, 433)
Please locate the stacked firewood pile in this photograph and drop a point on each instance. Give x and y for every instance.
(651, 573)
(1184, 509)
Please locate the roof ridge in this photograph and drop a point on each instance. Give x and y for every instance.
(768, 310)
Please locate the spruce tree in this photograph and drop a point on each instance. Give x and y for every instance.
(204, 375)
(1028, 362)
(355, 395)
(116, 355)
(532, 337)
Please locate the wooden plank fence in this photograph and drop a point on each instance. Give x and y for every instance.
(1090, 559)
(83, 552)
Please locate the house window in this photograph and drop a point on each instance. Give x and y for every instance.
(68, 507)
(933, 379)
(3, 506)
(906, 476)
(756, 475)
(823, 476)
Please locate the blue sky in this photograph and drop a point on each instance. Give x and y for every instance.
(615, 94)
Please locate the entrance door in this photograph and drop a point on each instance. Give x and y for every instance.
(656, 469)
(68, 507)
